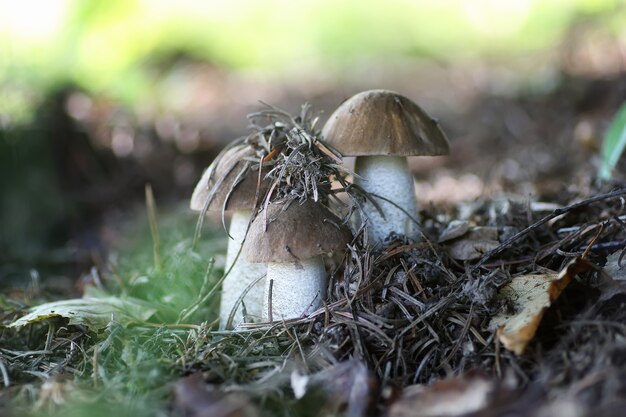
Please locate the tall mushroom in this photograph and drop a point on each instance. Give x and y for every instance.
(382, 128)
(231, 184)
(292, 243)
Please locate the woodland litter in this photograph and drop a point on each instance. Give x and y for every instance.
(502, 306)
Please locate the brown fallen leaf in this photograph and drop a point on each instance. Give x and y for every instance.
(458, 396)
(532, 295)
(194, 398)
(474, 244)
(350, 387)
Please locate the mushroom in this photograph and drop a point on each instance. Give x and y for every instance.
(230, 184)
(291, 238)
(382, 128)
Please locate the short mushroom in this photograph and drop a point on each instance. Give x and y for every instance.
(382, 128)
(228, 185)
(291, 239)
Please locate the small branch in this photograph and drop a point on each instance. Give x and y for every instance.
(154, 226)
(556, 213)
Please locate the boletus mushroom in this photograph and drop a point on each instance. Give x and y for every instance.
(381, 128)
(292, 239)
(230, 184)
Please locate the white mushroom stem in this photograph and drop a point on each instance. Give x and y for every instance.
(297, 289)
(388, 177)
(241, 276)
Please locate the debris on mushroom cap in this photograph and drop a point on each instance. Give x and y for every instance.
(301, 165)
(294, 231)
(382, 122)
(233, 176)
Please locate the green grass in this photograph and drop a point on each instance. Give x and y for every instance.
(613, 144)
(121, 366)
(158, 329)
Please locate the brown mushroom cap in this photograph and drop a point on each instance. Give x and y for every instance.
(300, 232)
(381, 122)
(229, 167)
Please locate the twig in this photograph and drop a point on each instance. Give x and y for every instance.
(556, 213)
(154, 226)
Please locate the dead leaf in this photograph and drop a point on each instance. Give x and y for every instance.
(350, 387)
(299, 383)
(449, 397)
(455, 229)
(474, 244)
(194, 398)
(532, 295)
(95, 313)
(613, 267)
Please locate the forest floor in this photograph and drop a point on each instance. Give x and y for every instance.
(413, 329)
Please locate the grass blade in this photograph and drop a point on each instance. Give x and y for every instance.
(613, 144)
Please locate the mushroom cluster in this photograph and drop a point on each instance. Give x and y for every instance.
(278, 180)
(279, 176)
(381, 128)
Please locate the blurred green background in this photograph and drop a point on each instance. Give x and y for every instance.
(98, 98)
(120, 47)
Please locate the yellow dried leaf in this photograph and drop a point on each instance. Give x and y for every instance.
(532, 295)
